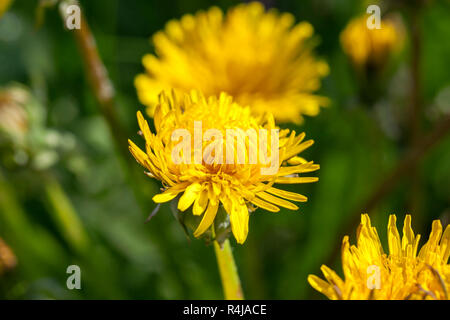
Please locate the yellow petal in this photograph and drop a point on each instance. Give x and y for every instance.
(264, 205)
(445, 244)
(433, 240)
(137, 153)
(297, 149)
(393, 236)
(277, 201)
(170, 193)
(201, 202)
(239, 221)
(297, 160)
(331, 276)
(287, 195)
(189, 196)
(322, 286)
(208, 218)
(292, 180)
(302, 168)
(408, 234)
(143, 124)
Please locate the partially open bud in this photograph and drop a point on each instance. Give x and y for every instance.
(13, 115)
(220, 231)
(7, 258)
(371, 48)
(25, 138)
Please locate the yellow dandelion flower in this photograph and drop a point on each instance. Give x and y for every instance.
(205, 183)
(404, 273)
(370, 47)
(259, 57)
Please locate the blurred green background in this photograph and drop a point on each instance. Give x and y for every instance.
(72, 201)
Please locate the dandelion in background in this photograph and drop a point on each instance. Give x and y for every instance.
(371, 48)
(24, 133)
(405, 273)
(207, 186)
(261, 58)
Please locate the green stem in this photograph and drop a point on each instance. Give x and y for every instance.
(65, 216)
(102, 86)
(11, 211)
(228, 271)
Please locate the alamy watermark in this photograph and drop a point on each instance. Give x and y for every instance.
(374, 277)
(374, 20)
(72, 16)
(237, 142)
(74, 280)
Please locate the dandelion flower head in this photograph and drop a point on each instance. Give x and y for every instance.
(205, 185)
(405, 273)
(261, 58)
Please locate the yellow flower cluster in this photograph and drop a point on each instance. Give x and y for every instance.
(239, 187)
(258, 57)
(405, 273)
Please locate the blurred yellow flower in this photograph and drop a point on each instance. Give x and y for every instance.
(260, 58)
(239, 187)
(4, 5)
(401, 275)
(7, 258)
(370, 47)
